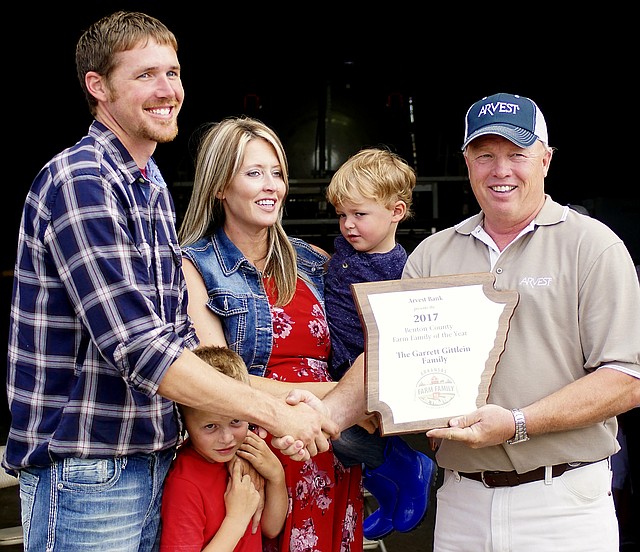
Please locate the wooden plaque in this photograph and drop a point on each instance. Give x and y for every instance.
(432, 345)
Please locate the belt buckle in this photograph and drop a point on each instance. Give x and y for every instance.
(483, 480)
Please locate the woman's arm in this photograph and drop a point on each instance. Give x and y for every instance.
(282, 388)
(208, 326)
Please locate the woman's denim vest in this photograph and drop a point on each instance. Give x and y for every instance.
(237, 295)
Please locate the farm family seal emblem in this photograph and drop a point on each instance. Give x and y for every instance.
(436, 389)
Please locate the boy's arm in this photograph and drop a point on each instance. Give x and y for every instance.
(276, 505)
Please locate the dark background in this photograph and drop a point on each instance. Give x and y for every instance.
(332, 78)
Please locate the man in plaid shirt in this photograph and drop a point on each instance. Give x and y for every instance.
(100, 342)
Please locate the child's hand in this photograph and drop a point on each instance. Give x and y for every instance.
(246, 468)
(256, 451)
(370, 423)
(241, 498)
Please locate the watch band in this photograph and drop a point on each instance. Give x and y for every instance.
(521, 428)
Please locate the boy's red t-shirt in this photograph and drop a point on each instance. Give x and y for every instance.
(193, 504)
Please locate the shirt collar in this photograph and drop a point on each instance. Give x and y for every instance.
(115, 149)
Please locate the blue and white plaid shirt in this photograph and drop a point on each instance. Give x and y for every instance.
(98, 310)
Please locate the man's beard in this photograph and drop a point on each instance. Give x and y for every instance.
(160, 136)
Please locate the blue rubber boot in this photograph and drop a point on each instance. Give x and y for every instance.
(412, 474)
(379, 524)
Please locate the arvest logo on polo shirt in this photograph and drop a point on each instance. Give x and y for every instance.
(536, 281)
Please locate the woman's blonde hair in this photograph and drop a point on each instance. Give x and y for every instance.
(220, 154)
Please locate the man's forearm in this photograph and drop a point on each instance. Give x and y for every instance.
(346, 402)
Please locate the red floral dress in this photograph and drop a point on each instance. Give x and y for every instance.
(325, 498)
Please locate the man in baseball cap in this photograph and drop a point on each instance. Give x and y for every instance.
(513, 117)
(571, 361)
(570, 366)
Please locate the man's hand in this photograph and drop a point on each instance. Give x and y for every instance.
(306, 412)
(488, 426)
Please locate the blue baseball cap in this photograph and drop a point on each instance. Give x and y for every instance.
(513, 117)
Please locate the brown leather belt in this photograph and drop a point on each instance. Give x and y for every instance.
(513, 478)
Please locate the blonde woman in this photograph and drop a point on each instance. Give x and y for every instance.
(261, 293)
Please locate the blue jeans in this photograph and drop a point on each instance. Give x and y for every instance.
(357, 446)
(94, 505)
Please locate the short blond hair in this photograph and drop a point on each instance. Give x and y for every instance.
(225, 360)
(373, 173)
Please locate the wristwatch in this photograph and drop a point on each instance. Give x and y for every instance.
(521, 428)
